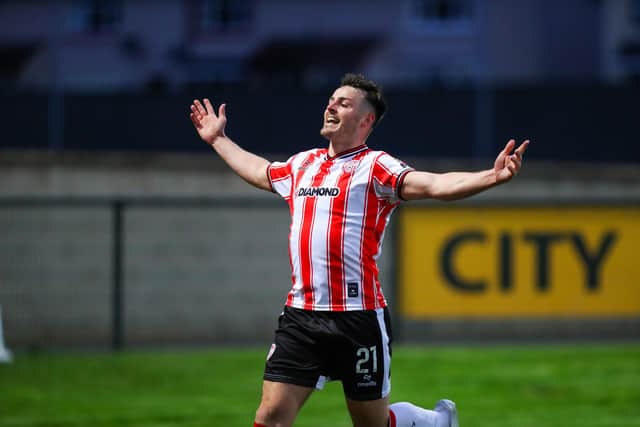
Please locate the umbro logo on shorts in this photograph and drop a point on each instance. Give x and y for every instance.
(318, 191)
(271, 350)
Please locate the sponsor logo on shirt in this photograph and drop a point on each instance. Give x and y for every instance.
(318, 192)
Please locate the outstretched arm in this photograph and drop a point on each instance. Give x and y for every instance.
(458, 185)
(210, 127)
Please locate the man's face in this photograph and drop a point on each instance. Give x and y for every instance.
(345, 114)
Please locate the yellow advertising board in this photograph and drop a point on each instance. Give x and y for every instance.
(497, 262)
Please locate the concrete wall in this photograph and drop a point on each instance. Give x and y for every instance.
(194, 272)
(203, 274)
(55, 276)
(197, 270)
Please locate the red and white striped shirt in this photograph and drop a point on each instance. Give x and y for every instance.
(339, 207)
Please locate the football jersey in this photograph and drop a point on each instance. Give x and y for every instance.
(339, 209)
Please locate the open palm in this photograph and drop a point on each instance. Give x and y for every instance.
(209, 125)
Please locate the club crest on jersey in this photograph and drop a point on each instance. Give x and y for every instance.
(350, 166)
(318, 192)
(307, 162)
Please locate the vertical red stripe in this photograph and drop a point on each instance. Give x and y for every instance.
(379, 230)
(335, 240)
(291, 201)
(306, 163)
(302, 168)
(370, 244)
(367, 242)
(330, 293)
(308, 218)
(374, 229)
(383, 175)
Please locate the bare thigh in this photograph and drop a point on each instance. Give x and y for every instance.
(369, 413)
(281, 403)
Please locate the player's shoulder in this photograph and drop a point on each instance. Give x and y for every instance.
(305, 155)
(385, 159)
(313, 152)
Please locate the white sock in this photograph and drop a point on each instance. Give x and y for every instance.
(408, 415)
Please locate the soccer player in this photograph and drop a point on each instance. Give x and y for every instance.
(335, 324)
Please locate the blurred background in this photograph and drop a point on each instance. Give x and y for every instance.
(120, 228)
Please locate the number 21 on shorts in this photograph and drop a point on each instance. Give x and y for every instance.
(363, 355)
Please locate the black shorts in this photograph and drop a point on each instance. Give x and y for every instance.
(312, 347)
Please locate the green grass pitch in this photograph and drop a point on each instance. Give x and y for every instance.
(516, 386)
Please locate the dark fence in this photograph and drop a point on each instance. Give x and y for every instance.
(567, 123)
(114, 272)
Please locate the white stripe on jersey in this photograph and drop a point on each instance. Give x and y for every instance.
(340, 207)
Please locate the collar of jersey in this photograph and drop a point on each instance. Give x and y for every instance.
(347, 153)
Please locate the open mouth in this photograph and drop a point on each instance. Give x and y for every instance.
(332, 120)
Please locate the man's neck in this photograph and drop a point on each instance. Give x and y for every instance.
(336, 148)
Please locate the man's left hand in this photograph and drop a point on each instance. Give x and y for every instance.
(509, 162)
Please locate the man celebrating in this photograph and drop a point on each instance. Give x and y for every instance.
(335, 324)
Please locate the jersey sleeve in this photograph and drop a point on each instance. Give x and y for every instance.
(281, 177)
(388, 175)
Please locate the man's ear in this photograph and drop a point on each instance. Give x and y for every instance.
(369, 119)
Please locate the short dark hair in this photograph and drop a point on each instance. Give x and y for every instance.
(373, 93)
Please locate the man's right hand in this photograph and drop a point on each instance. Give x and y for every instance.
(208, 125)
